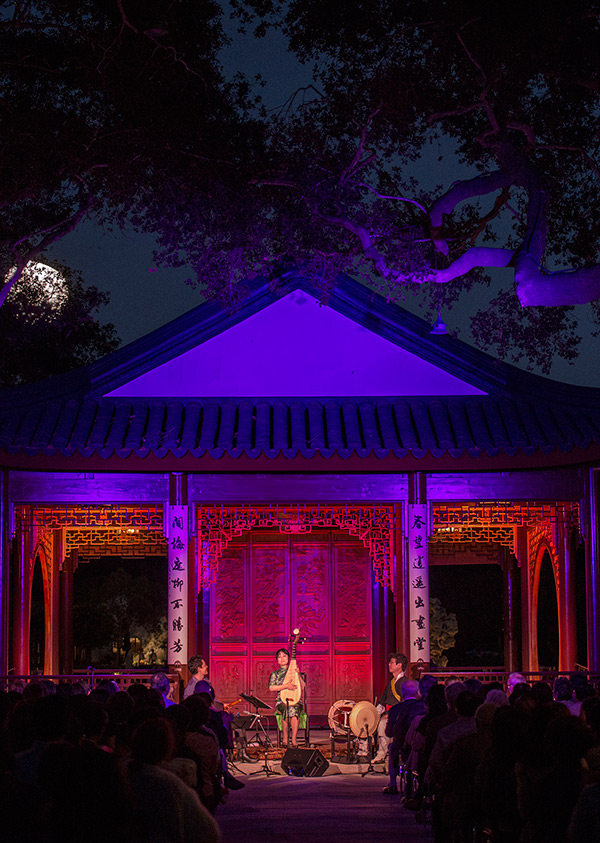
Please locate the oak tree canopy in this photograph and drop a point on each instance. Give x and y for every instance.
(121, 109)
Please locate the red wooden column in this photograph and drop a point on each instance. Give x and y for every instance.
(52, 608)
(510, 578)
(567, 629)
(4, 568)
(529, 657)
(22, 604)
(66, 613)
(592, 570)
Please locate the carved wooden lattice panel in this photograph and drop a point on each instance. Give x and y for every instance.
(268, 584)
(311, 587)
(228, 598)
(352, 682)
(352, 608)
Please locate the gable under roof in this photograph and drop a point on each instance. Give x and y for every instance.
(295, 346)
(521, 416)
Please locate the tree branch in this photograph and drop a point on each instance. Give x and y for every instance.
(477, 186)
(356, 163)
(538, 288)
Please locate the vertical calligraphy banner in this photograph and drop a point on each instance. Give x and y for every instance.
(418, 582)
(177, 612)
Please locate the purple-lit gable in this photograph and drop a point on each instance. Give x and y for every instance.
(295, 347)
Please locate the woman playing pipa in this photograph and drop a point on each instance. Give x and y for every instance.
(288, 684)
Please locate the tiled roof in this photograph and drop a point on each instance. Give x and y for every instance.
(438, 426)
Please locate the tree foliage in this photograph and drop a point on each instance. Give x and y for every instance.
(121, 108)
(443, 631)
(109, 605)
(507, 92)
(108, 107)
(48, 326)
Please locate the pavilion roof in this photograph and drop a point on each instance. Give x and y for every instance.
(521, 415)
(458, 426)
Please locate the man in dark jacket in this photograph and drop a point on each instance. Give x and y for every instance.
(400, 716)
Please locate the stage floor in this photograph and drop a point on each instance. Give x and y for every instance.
(340, 807)
(350, 760)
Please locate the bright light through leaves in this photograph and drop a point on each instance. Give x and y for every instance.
(41, 286)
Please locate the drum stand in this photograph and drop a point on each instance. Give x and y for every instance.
(348, 758)
(370, 769)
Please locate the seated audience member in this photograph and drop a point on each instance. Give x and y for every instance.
(563, 693)
(514, 679)
(584, 826)
(460, 804)
(198, 669)
(79, 785)
(496, 780)
(399, 719)
(205, 746)
(160, 682)
(549, 776)
(166, 809)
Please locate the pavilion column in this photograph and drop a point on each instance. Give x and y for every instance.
(4, 572)
(417, 535)
(65, 662)
(192, 614)
(567, 628)
(592, 569)
(52, 621)
(402, 588)
(511, 609)
(384, 639)
(178, 586)
(529, 659)
(22, 604)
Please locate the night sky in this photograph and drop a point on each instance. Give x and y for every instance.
(144, 296)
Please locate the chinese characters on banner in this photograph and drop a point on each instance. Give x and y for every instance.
(418, 582)
(177, 613)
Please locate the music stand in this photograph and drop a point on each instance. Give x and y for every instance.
(255, 701)
(257, 723)
(265, 740)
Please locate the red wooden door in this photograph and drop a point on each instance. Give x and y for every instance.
(269, 583)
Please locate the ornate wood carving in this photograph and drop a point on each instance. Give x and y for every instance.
(267, 585)
(352, 678)
(228, 675)
(317, 679)
(352, 618)
(218, 525)
(262, 669)
(228, 616)
(269, 593)
(542, 535)
(311, 590)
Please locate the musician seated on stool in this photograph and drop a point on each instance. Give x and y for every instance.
(277, 682)
(397, 664)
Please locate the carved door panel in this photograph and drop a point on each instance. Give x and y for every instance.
(268, 584)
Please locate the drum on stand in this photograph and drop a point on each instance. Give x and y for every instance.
(355, 721)
(339, 715)
(363, 719)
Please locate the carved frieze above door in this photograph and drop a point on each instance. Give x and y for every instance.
(266, 585)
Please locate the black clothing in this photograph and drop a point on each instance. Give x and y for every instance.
(388, 698)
